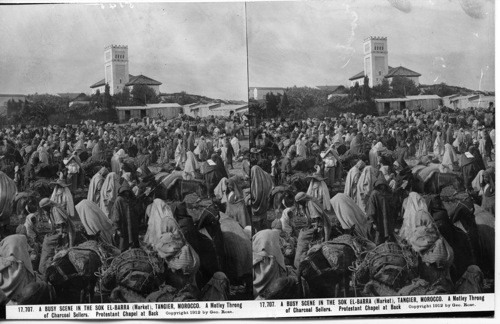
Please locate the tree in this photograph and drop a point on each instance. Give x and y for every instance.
(125, 95)
(382, 90)
(96, 100)
(39, 108)
(402, 87)
(354, 92)
(143, 94)
(284, 105)
(122, 98)
(256, 108)
(271, 105)
(441, 89)
(107, 100)
(366, 93)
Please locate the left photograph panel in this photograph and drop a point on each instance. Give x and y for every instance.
(124, 154)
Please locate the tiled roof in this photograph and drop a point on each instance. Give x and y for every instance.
(401, 71)
(358, 76)
(397, 71)
(98, 84)
(142, 79)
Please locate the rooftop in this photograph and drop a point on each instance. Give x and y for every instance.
(230, 107)
(150, 106)
(401, 71)
(133, 80)
(358, 75)
(424, 97)
(393, 72)
(391, 99)
(142, 79)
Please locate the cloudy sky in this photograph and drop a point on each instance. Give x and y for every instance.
(198, 48)
(320, 42)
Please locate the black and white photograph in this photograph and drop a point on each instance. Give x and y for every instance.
(124, 154)
(235, 160)
(373, 158)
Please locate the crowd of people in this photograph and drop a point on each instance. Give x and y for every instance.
(373, 206)
(105, 211)
(184, 209)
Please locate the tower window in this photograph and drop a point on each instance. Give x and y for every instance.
(120, 80)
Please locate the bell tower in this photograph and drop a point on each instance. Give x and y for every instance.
(376, 62)
(116, 67)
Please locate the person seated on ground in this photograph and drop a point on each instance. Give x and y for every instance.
(268, 261)
(37, 293)
(16, 270)
(95, 222)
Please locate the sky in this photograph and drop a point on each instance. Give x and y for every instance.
(199, 48)
(320, 42)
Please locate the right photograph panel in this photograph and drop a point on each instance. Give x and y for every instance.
(372, 149)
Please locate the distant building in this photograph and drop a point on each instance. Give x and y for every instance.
(259, 93)
(482, 101)
(470, 101)
(334, 91)
(426, 102)
(4, 99)
(214, 109)
(142, 79)
(447, 100)
(187, 109)
(165, 110)
(376, 64)
(116, 72)
(75, 98)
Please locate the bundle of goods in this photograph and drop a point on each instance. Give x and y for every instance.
(136, 270)
(332, 260)
(386, 269)
(73, 272)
